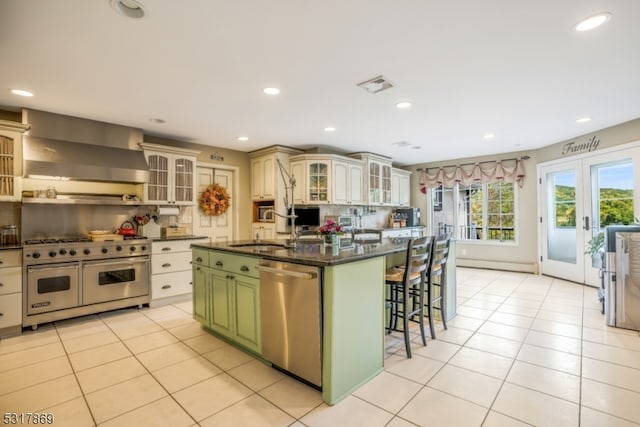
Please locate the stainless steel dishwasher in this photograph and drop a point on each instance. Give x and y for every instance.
(291, 319)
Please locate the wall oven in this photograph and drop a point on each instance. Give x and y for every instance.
(64, 278)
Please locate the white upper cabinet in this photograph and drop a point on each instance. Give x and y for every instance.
(263, 177)
(347, 182)
(400, 187)
(313, 174)
(377, 179)
(10, 160)
(172, 178)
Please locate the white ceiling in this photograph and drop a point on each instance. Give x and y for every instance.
(514, 69)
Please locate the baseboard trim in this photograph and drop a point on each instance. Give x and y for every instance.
(498, 265)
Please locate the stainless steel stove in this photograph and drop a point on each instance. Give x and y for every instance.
(68, 277)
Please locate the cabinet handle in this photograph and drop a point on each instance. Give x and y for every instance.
(1, 285)
(166, 249)
(166, 286)
(198, 268)
(1, 314)
(244, 268)
(1, 262)
(230, 277)
(190, 283)
(190, 262)
(199, 259)
(219, 264)
(166, 264)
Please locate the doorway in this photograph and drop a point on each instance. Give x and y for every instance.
(220, 228)
(578, 198)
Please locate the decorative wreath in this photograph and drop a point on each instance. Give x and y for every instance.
(214, 200)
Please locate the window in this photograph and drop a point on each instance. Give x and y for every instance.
(476, 212)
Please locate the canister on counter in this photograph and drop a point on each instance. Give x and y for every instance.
(9, 235)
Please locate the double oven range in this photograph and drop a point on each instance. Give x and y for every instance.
(65, 278)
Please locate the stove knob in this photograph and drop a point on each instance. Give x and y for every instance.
(118, 248)
(36, 255)
(87, 251)
(63, 251)
(144, 248)
(105, 250)
(53, 253)
(72, 252)
(133, 248)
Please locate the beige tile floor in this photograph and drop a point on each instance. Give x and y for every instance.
(523, 350)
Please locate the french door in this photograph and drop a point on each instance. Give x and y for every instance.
(577, 199)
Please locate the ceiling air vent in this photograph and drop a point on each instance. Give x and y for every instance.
(376, 84)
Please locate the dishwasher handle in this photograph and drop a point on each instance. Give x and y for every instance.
(299, 274)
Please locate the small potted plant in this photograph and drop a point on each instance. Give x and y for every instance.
(331, 231)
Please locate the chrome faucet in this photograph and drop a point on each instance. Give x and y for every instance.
(294, 233)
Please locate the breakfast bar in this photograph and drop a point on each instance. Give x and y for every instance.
(230, 277)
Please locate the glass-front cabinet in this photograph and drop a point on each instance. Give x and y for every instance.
(313, 179)
(10, 159)
(172, 176)
(378, 179)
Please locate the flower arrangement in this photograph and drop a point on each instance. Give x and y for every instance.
(330, 227)
(215, 200)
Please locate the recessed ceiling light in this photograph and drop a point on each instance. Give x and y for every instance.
(271, 90)
(329, 129)
(403, 104)
(128, 8)
(416, 147)
(592, 22)
(242, 138)
(583, 120)
(488, 136)
(156, 120)
(21, 92)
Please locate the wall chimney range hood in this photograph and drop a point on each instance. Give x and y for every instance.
(72, 148)
(54, 159)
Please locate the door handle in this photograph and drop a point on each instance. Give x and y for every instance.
(586, 223)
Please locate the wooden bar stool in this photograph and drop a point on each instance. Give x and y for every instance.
(437, 281)
(407, 289)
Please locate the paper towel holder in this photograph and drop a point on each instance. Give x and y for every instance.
(168, 210)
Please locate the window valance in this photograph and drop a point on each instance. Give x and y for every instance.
(509, 170)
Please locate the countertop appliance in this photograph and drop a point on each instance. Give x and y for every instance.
(622, 277)
(348, 222)
(290, 312)
(410, 215)
(65, 278)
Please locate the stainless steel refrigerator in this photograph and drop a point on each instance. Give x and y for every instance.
(622, 287)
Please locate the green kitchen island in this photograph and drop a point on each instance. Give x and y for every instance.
(226, 301)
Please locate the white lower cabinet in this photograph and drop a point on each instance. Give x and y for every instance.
(10, 292)
(171, 269)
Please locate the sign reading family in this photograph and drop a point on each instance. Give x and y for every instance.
(573, 147)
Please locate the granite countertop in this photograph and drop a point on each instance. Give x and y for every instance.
(169, 239)
(307, 253)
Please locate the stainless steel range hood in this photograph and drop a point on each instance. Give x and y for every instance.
(47, 158)
(73, 148)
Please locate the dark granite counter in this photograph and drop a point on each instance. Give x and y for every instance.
(170, 239)
(315, 254)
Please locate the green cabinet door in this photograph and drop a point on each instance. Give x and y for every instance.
(247, 312)
(220, 302)
(200, 295)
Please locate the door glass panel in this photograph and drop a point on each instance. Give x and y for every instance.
(54, 284)
(561, 232)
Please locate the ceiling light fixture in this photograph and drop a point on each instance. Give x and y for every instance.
(128, 8)
(488, 136)
(242, 138)
(403, 104)
(583, 120)
(401, 144)
(21, 92)
(592, 22)
(329, 129)
(156, 120)
(271, 90)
